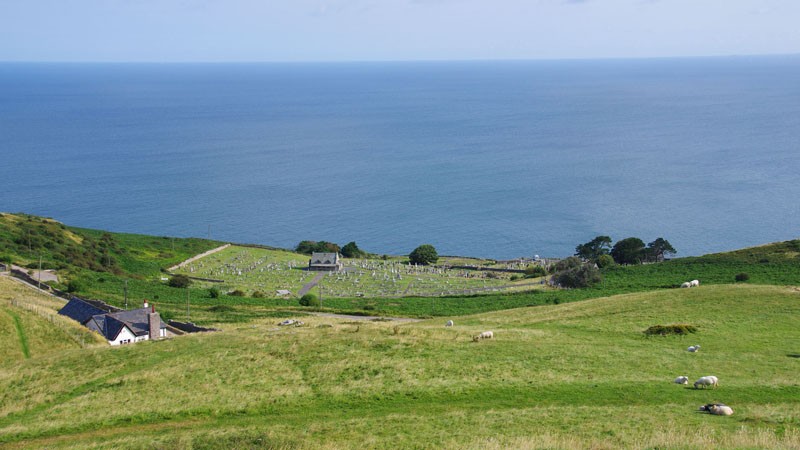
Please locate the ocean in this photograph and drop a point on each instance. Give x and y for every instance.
(492, 159)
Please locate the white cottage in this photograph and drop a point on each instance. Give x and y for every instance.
(121, 327)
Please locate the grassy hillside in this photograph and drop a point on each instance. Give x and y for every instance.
(25, 238)
(100, 263)
(30, 326)
(578, 375)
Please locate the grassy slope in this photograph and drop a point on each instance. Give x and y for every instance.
(32, 328)
(571, 375)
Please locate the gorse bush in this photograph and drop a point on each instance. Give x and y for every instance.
(742, 277)
(309, 300)
(667, 330)
(179, 281)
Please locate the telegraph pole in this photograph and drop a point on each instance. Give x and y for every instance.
(187, 304)
(40, 272)
(126, 294)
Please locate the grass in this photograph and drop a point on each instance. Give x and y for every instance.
(23, 339)
(268, 270)
(575, 375)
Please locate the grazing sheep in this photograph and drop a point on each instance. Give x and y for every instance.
(682, 380)
(705, 382)
(693, 349)
(720, 410)
(686, 285)
(695, 283)
(484, 335)
(449, 323)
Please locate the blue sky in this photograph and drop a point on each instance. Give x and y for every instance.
(347, 30)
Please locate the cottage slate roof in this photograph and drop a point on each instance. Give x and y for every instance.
(80, 311)
(324, 258)
(109, 324)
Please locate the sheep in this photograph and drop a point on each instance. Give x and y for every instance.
(686, 285)
(693, 349)
(695, 283)
(706, 381)
(708, 406)
(718, 409)
(449, 323)
(682, 380)
(484, 335)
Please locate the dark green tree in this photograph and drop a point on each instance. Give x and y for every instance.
(424, 254)
(628, 251)
(658, 249)
(179, 281)
(351, 250)
(593, 249)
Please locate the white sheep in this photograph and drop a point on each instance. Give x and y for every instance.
(449, 323)
(686, 285)
(682, 380)
(720, 410)
(695, 283)
(693, 349)
(484, 335)
(705, 382)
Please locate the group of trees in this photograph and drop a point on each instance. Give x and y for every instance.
(350, 250)
(630, 250)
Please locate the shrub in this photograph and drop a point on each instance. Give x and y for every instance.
(309, 300)
(214, 292)
(236, 293)
(179, 281)
(74, 286)
(369, 307)
(514, 277)
(605, 261)
(667, 330)
(573, 273)
(258, 294)
(535, 271)
(221, 308)
(742, 276)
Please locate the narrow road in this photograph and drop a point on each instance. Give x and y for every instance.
(310, 285)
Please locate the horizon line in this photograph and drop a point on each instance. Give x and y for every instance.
(421, 60)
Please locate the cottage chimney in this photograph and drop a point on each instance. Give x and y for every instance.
(145, 304)
(154, 324)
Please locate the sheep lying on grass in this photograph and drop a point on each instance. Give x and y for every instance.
(682, 380)
(718, 409)
(706, 381)
(693, 349)
(484, 335)
(449, 323)
(686, 285)
(695, 283)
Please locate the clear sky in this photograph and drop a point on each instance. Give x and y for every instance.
(346, 30)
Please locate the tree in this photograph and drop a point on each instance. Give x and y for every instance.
(214, 292)
(351, 250)
(574, 273)
(659, 248)
(628, 251)
(593, 249)
(424, 254)
(309, 247)
(179, 281)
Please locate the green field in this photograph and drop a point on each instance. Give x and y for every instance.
(576, 375)
(266, 271)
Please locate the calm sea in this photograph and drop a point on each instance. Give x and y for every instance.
(494, 159)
